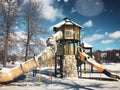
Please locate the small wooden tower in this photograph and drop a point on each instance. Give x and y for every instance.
(65, 61)
(88, 48)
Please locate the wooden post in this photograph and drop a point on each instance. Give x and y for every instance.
(70, 51)
(61, 66)
(50, 74)
(81, 70)
(55, 65)
(74, 40)
(91, 57)
(63, 31)
(89, 70)
(100, 76)
(39, 77)
(84, 67)
(79, 36)
(26, 80)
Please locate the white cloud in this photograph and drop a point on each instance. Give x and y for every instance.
(73, 10)
(109, 49)
(51, 28)
(93, 37)
(89, 8)
(98, 30)
(115, 35)
(89, 23)
(106, 33)
(66, 0)
(49, 12)
(82, 32)
(107, 41)
(58, 0)
(43, 40)
(20, 35)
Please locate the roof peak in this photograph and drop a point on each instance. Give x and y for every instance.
(67, 19)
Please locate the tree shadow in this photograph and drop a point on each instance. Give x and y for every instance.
(66, 85)
(100, 79)
(20, 78)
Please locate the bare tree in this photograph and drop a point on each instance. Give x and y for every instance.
(8, 13)
(33, 19)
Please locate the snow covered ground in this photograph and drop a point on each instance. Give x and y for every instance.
(89, 81)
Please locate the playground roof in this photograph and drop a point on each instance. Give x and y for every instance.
(86, 45)
(66, 21)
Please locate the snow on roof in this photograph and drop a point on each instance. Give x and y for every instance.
(86, 45)
(66, 21)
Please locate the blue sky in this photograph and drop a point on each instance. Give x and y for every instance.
(100, 20)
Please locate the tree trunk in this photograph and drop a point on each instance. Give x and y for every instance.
(6, 47)
(28, 39)
(5, 52)
(27, 48)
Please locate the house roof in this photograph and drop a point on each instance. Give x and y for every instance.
(66, 21)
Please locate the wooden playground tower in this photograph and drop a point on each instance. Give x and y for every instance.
(68, 51)
(66, 64)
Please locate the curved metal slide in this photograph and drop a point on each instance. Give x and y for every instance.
(8, 75)
(86, 58)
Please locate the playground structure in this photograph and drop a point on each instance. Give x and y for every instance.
(69, 54)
